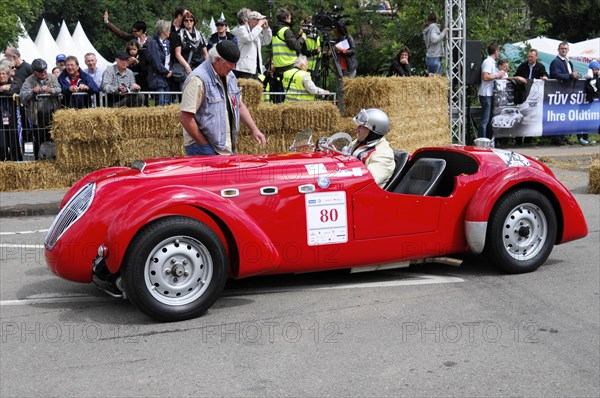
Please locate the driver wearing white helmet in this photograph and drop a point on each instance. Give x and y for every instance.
(370, 145)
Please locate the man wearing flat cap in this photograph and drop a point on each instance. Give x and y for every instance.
(118, 82)
(212, 108)
(252, 32)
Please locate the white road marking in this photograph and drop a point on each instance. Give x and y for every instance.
(52, 300)
(415, 279)
(21, 246)
(421, 280)
(36, 231)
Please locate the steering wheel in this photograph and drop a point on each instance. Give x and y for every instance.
(339, 142)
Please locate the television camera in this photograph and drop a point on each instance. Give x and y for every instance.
(321, 25)
(326, 21)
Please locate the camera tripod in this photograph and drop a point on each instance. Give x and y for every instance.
(329, 63)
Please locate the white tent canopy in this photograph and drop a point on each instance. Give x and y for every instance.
(541, 44)
(65, 42)
(212, 25)
(28, 49)
(586, 51)
(81, 39)
(46, 48)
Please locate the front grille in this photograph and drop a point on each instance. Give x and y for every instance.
(75, 208)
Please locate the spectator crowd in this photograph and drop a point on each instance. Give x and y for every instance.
(153, 67)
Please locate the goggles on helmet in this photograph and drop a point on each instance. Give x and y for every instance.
(362, 118)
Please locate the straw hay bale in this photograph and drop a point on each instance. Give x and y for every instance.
(150, 122)
(281, 122)
(275, 143)
(316, 115)
(414, 93)
(147, 148)
(417, 107)
(27, 176)
(594, 182)
(103, 124)
(252, 92)
(85, 125)
(268, 117)
(345, 124)
(410, 132)
(78, 156)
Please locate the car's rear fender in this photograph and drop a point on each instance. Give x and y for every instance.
(570, 219)
(237, 230)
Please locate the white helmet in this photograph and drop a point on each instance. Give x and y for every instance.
(374, 119)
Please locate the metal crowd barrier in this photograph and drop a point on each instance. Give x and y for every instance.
(279, 96)
(26, 126)
(138, 98)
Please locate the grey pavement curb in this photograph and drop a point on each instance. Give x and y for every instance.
(28, 210)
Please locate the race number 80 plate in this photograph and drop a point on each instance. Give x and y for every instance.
(326, 218)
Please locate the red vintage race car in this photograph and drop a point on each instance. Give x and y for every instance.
(167, 233)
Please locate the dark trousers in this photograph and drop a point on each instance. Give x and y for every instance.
(487, 104)
(244, 75)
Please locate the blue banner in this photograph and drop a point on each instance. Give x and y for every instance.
(543, 108)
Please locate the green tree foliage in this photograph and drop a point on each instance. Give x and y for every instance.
(573, 21)
(488, 21)
(10, 15)
(378, 36)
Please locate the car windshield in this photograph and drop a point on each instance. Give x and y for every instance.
(338, 142)
(302, 141)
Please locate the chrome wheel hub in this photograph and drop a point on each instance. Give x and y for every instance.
(525, 231)
(178, 270)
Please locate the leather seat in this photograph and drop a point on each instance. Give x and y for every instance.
(400, 159)
(422, 178)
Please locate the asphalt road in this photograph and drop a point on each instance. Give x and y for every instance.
(428, 330)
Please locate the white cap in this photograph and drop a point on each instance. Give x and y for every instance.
(256, 15)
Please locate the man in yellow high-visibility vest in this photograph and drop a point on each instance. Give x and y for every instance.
(298, 84)
(286, 47)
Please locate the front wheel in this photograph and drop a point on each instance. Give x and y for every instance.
(521, 231)
(175, 269)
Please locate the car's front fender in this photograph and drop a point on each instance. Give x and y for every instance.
(196, 203)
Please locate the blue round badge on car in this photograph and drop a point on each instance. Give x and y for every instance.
(324, 182)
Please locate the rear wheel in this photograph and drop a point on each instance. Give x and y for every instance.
(521, 231)
(175, 269)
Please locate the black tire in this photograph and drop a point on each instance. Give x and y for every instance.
(521, 231)
(175, 269)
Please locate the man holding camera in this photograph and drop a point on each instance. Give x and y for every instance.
(286, 44)
(252, 33)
